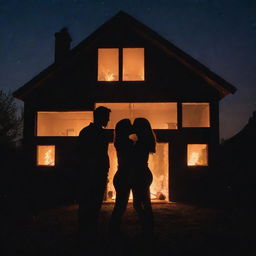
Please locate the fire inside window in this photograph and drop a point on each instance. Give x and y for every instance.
(132, 64)
(46, 155)
(195, 115)
(197, 155)
(108, 64)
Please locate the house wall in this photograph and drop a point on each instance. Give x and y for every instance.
(185, 183)
(74, 86)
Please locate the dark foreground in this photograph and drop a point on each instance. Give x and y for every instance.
(179, 230)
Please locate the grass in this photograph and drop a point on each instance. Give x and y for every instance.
(180, 229)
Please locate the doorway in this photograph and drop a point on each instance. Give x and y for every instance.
(159, 166)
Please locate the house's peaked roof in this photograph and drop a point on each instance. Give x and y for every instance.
(216, 81)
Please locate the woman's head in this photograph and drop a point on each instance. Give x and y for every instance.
(142, 128)
(141, 125)
(123, 126)
(123, 129)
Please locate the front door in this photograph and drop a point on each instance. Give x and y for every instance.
(159, 166)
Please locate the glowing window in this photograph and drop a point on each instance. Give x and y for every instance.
(195, 115)
(133, 64)
(62, 123)
(197, 155)
(46, 155)
(160, 115)
(108, 64)
(159, 166)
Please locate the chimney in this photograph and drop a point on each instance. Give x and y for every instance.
(62, 44)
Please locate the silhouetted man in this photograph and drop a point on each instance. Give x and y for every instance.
(92, 149)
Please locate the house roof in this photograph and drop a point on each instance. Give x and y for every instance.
(245, 137)
(210, 77)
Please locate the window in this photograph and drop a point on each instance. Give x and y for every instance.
(132, 65)
(195, 115)
(64, 123)
(108, 65)
(197, 155)
(160, 115)
(46, 155)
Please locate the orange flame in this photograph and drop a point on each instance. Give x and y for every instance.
(48, 158)
(193, 159)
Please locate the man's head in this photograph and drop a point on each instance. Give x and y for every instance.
(101, 116)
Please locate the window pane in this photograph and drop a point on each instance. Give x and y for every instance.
(160, 115)
(158, 164)
(46, 155)
(62, 123)
(108, 64)
(118, 112)
(195, 115)
(197, 155)
(133, 64)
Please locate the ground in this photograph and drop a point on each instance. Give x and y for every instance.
(180, 229)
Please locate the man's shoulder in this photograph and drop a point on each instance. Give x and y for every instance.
(86, 129)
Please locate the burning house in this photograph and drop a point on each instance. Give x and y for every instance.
(135, 72)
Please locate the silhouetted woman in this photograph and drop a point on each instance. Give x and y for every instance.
(123, 177)
(142, 176)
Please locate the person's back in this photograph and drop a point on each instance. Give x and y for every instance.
(142, 176)
(92, 150)
(124, 154)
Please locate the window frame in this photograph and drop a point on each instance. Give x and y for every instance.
(54, 111)
(120, 65)
(97, 104)
(195, 127)
(37, 155)
(207, 158)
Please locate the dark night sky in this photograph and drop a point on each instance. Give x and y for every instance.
(221, 34)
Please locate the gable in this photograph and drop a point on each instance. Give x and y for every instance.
(168, 69)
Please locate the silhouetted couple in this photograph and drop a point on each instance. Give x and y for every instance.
(133, 144)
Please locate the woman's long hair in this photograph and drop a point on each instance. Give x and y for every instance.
(122, 132)
(145, 133)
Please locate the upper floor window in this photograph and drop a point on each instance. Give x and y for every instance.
(195, 114)
(132, 64)
(108, 65)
